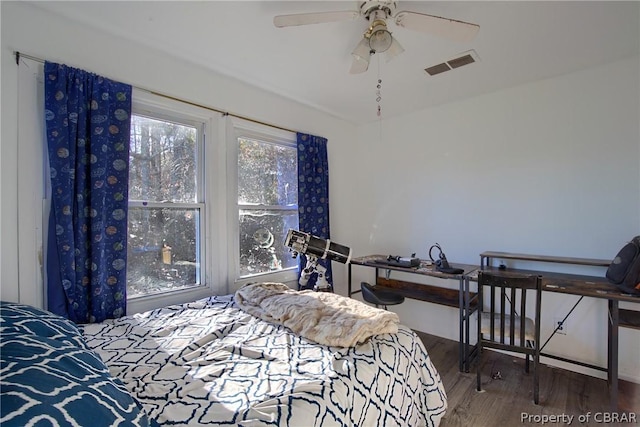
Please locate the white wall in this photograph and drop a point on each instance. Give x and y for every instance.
(548, 168)
(35, 32)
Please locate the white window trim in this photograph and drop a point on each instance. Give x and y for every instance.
(33, 190)
(236, 128)
(212, 176)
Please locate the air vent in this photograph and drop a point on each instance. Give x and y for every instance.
(464, 58)
(437, 69)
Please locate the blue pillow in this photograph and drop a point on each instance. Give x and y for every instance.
(50, 377)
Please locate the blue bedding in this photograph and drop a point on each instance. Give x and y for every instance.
(49, 376)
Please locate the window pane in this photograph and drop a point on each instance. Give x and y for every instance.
(162, 161)
(262, 235)
(163, 250)
(267, 173)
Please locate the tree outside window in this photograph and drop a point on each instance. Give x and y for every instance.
(268, 205)
(165, 213)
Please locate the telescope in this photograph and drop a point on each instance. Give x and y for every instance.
(315, 249)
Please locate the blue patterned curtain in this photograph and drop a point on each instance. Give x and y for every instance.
(88, 118)
(313, 193)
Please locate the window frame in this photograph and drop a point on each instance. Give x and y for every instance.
(240, 128)
(209, 172)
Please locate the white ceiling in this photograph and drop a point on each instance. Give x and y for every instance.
(518, 42)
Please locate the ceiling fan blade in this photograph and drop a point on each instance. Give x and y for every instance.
(314, 18)
(444, 27)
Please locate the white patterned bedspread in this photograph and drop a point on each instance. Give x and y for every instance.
(210, 363)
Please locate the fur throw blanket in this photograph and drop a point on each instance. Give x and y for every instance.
(326, 318)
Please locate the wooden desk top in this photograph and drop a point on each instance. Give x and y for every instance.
(547, 258)
(426, 267)
(590, 286)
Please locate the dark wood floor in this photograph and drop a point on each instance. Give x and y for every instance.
(503, 402)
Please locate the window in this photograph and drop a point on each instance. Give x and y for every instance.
(166, 242)
(188, 237)
(267, 195)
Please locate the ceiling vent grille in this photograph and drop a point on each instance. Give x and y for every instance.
(464, 58)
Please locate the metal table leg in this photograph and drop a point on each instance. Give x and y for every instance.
(465, 327)
(462, 360)
(612, 356)
(467, 310)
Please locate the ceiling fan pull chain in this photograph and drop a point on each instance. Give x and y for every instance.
(379, 97)
(379, 91)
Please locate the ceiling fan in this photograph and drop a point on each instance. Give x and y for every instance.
(377, 37)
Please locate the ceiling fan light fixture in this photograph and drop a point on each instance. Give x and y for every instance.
(394, 50)
(361, 56)
(359, 65)
(380, 39)
(362, 51)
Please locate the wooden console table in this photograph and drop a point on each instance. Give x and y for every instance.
(424, 292)
(583, 286)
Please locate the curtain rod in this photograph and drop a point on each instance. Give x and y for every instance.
(224, 113)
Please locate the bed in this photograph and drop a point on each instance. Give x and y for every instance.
(224, 360)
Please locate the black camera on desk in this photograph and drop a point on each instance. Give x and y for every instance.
(407, 262)
(442, 265)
